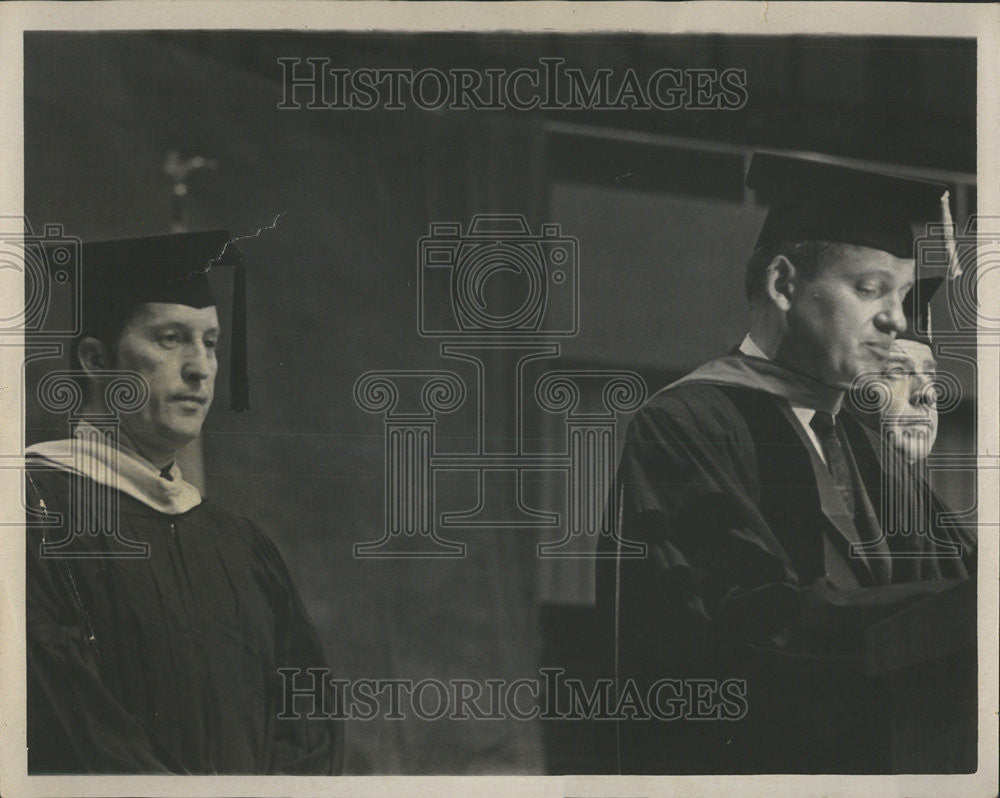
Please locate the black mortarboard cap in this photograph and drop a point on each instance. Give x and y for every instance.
(811, 199)
(118, 275)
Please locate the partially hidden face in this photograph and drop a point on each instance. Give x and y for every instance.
(911, 417)
(174, 348)
(844, 318)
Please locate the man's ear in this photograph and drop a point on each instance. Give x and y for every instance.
(779, 282)
(93, 355)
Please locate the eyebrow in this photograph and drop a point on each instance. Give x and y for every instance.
(164, 325)
(883, 274)
(906, 360)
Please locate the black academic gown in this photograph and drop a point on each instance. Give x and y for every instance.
(181, 673)
(747, 577)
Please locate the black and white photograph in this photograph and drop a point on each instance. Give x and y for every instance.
(588, 394)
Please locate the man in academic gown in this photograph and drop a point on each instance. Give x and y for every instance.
(758, 503)
(898, 407)
(167, 660)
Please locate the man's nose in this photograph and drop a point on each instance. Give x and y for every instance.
(196, 363)
(923, 394)
(892, 318)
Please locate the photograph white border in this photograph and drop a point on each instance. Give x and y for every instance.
(981, 21)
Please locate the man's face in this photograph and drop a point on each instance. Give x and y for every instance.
(843, 319)
(911, 417)
(173, 347)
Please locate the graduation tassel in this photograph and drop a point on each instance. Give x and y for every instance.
(239, 382)
(954, 268)
(239, 379)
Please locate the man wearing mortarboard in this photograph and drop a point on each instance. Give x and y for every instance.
(899, 407)
(909, 375)
(759, 500)
(169, 662)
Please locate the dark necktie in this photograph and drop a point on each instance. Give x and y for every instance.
(165, 473)
(825, 426)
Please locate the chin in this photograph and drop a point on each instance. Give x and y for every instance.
(840, 379)
(839, 375)
(186, 435)
(914, 453)
(180, 434)
(914, 443)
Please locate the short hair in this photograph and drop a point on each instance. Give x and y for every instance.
(806, 256)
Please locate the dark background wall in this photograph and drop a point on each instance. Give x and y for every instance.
(654, 199)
